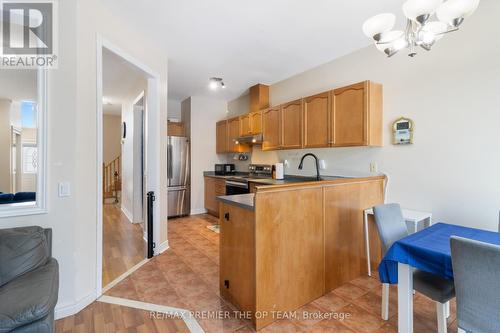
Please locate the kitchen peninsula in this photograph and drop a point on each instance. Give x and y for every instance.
(288, 244)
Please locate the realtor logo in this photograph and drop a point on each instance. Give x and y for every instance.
(28, 34)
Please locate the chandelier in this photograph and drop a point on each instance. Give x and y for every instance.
(422, 30)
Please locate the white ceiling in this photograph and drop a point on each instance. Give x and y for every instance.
(249, 42)
(122, 82)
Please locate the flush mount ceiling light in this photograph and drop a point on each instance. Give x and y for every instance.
(420, 30)
(215, 83)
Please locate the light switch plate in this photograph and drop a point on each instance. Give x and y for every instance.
(373, 167)
(64, 189)
(322, 164)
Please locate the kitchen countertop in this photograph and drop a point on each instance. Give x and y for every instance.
(245, 201)
(289, 179)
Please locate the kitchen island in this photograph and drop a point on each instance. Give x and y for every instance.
(288, 244)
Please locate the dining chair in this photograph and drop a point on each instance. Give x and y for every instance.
(391, 228)
(476, 268)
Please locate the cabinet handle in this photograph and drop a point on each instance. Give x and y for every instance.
(226, 284)
(226, 216)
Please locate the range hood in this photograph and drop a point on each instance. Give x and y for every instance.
(250, 139)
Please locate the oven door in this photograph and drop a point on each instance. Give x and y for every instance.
(233, 188)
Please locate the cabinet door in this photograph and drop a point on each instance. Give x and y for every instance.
(291, 125)
(233, 128)
(349, 118)
(210, 202)
(256, 122)
(221, 137)
(271, 129)
(245, 125)
(237, 256)
(316, 120)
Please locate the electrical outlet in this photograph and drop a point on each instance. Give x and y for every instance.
(373, 167)
(286, 163)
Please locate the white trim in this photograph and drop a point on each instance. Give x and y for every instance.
(162, 248)
(186, 315)
(62, 311)
(198, 211)
(127, 214)
(40, 207)
(153, 183)
(124, 276)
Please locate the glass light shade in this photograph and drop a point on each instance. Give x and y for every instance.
(453, 9)
(437, 28)
(379, 24)
(391, 48)
(427, 37)
(390, 36)
(415, 8)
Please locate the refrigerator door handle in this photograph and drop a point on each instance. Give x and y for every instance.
(169, 161)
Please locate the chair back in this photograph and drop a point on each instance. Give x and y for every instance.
(390, 224)
(476, 270)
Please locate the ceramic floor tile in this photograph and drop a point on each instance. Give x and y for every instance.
(349, 291)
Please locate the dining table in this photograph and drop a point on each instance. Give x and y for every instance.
(427, 250)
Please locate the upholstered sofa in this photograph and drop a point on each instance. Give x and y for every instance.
(29, 280)
(9, 198)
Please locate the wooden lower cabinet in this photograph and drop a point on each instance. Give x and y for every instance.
(345, 251)
(214, 187)
(299, 243)
(237, 248)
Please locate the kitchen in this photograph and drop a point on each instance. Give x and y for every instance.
(265, 213)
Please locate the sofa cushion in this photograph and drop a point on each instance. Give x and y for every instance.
(30, 297)
(21, 250)
(24, 196)
(6, 198)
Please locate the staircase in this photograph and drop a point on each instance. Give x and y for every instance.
(112, 180)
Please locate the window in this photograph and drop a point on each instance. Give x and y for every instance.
(30, 159)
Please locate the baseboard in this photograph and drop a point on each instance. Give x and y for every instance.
(198, 211)
(162, 247)
(128, 214)
(71, 309)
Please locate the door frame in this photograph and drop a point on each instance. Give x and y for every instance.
(152, 139)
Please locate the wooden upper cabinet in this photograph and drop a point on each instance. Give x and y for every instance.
(245, 125)
(316, 120)
(259, 97)
(221, 137)
(357, 115)
(256, 122)
(291, 125)
(233, 129)
(271, 129)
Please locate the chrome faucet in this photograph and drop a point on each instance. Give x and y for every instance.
(301, 165)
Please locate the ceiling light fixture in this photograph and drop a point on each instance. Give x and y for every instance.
(420, 31)
(215, 83)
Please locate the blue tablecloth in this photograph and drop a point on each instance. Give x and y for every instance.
(429, 250)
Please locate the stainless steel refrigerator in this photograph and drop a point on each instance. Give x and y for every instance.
(179, 176)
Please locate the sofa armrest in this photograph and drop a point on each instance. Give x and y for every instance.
(48, 236)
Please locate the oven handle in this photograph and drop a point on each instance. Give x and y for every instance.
(236, 184)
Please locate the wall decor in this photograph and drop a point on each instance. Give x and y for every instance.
(402, 129)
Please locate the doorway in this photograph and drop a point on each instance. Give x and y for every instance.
(125, 89)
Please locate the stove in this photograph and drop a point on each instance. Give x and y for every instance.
(239, 184)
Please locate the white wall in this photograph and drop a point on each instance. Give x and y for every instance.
(204, 111)
(5, 152)
(174, 109)
(452, 94)
(111, 132)
(72, 145)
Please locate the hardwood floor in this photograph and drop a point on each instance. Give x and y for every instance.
(123, 246)
(104, 317)
(187, 276)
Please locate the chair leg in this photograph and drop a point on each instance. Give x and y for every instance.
(461, 330)
(385, 301)
(447, 309)
(441, 317)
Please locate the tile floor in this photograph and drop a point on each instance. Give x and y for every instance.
(186, 276)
